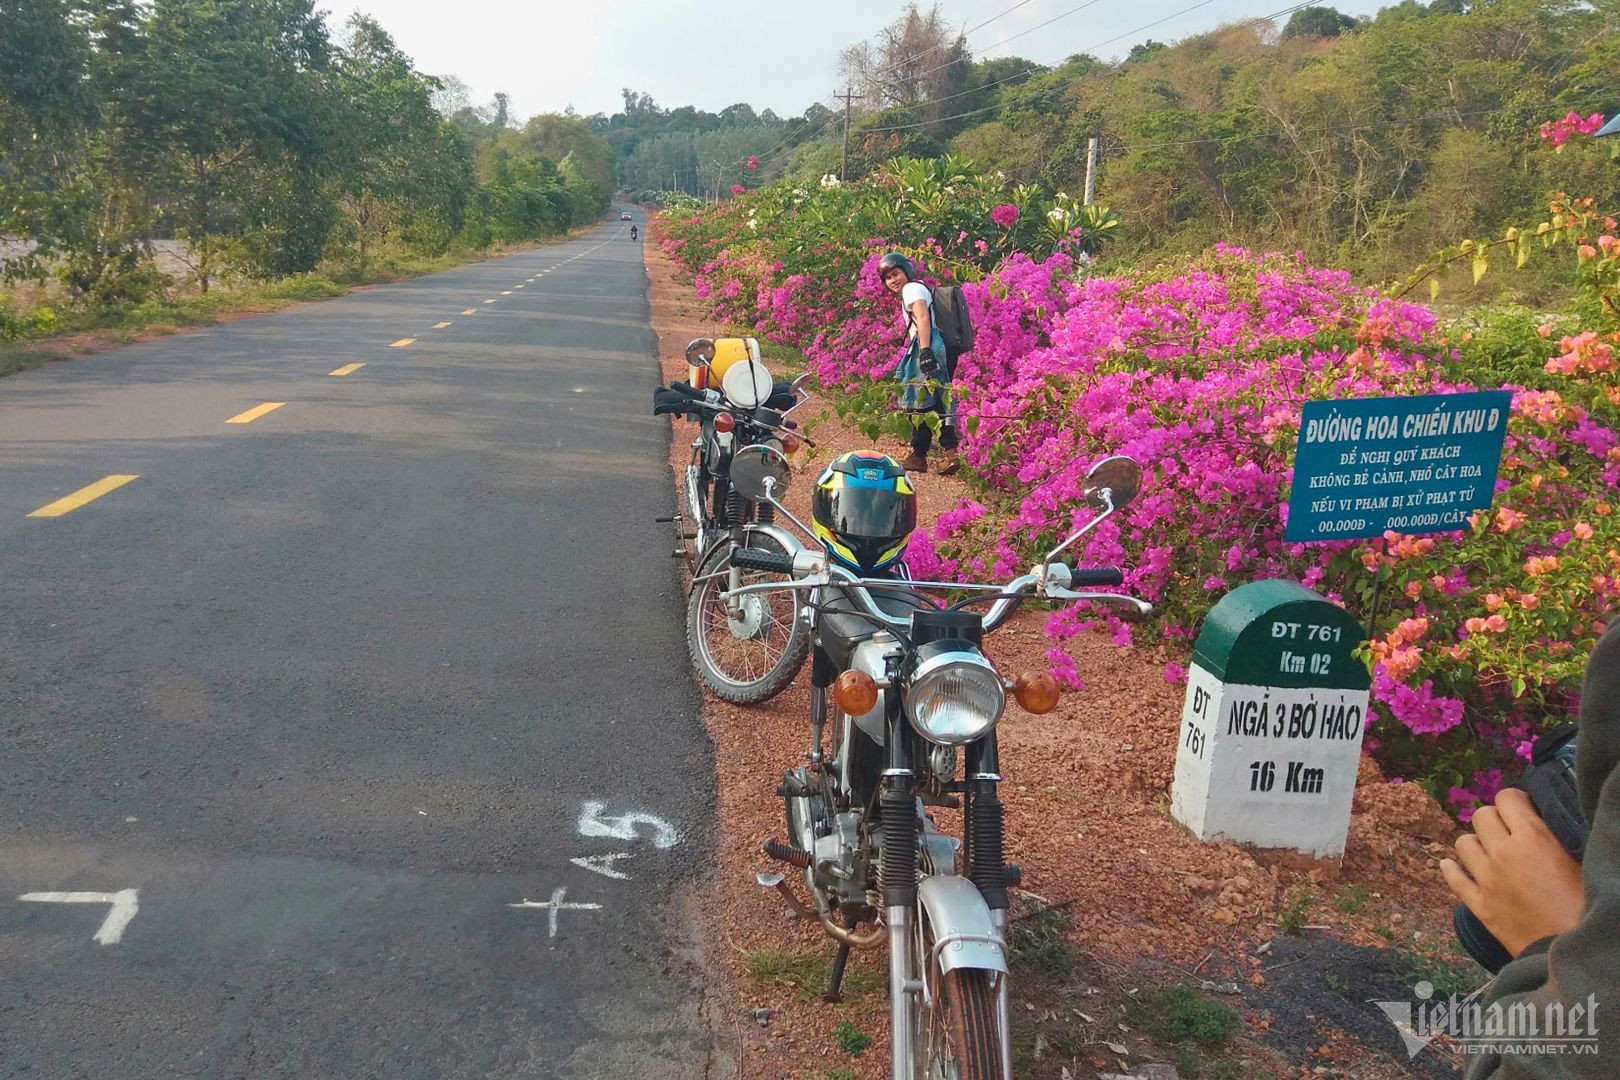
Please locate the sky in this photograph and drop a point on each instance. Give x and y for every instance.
(549, 55)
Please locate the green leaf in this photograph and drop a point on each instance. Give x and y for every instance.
(1481, 264)
(1434, 289)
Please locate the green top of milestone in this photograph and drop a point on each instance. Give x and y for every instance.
(1279, 633)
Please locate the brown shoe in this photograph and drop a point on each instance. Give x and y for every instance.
(951, 463)
(915, 462)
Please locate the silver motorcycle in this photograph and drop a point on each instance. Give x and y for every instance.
(746, 649)
(913, 703)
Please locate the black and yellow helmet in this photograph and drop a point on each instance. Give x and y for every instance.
(864, 509)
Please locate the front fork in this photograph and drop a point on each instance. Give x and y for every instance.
(982, 818)
(897, 877)
(982, 833)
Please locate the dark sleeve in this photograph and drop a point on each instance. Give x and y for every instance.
(1582, 967)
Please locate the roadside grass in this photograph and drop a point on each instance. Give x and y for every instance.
(1037, 945)
(1072, 1012)
(1443, 966)
(77, 331)
(1294, 911)
(807, 972)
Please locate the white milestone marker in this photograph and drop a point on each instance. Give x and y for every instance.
(124, 906)
(623, 827)
(603, 864)
(554, 905)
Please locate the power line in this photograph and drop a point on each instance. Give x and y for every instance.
(792, 135)
(993, 18)
(1038, 68)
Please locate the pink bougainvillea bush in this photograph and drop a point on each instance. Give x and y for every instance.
(1199, 370)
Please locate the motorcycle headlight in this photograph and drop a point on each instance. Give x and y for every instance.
(955, 695)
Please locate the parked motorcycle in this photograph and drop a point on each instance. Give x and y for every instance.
(746, 649)
(913, 703)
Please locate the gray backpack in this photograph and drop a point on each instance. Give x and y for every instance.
(954, 322)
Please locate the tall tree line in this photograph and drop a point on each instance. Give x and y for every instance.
(260, 137)
(1367, 142)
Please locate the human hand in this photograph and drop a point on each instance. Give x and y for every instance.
(1514, 874)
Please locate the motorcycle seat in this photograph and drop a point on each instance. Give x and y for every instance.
(841, 633)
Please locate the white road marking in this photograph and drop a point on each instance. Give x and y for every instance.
(599, 864)
(124, 906)
(623, 827)
(554, 905)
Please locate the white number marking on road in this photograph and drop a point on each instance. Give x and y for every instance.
(124, 906)
(554, 905)
(602, 864)
(623, 827)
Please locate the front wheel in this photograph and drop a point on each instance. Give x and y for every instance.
(749, 651)
(961, 1039)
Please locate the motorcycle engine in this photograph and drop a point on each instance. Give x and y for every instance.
(836, 861)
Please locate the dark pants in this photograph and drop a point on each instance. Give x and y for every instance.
(922, 437)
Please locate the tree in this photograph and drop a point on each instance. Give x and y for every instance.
(1142, 50)
(224, 88)
(45, 108)
(397, 171)
(1317, 22)
(916, 60)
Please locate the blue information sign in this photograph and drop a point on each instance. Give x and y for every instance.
(1408, 464)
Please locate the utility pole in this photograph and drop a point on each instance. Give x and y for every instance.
(843, 168)
(1091, 170)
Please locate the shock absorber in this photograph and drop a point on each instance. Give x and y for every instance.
(767, 514)
(734, 509)
(897, 869)
(986, 869)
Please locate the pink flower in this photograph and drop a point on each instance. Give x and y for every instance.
(1175, 673)
(1005, 215)
(737, 189)
(753, 161)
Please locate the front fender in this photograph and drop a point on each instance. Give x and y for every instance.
(961, 931)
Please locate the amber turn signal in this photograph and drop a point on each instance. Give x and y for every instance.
(855, 692)
(790, 443)
(1036, 691)
(724, 421)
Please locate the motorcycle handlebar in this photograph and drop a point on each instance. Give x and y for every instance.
(1013, 594)
(775, 562)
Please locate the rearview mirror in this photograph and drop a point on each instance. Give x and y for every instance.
(752, 466)
(700, 351)
(1112, 483)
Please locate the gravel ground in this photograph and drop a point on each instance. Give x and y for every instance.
(1087, 797)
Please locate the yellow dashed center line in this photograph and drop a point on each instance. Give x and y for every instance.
(440, 325)
(470, 311)
(517, 286)
(82, 496)
(347, 369)
(489, 301)
(508, 292)
(401, 343)
(255, 412)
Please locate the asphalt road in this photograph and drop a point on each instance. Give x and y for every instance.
(334, 687)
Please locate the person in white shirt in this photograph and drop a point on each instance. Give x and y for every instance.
(924, 373)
